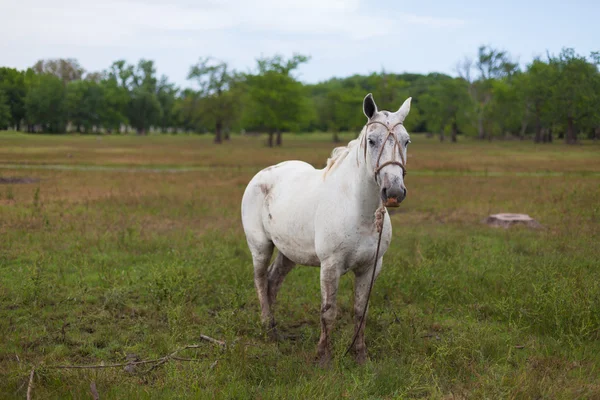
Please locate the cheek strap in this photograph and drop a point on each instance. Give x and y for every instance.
(401, 163)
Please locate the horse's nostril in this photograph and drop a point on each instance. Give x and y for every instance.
(404, 192)
(384, 192)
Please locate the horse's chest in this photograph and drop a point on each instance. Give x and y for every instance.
(354, 245)
(366, 247)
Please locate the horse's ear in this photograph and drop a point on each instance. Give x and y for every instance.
(369, 106)
(404, 109)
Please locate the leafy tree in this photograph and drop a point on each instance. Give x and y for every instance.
(506, 110)
(67, 70)
(391, 90)
(115, 106)
(12, 83)
(166, 94)
(188, 110)
(144, 109)
(491, 64)
(537, 86)
(576, 93)
(447, 105)
(140, 83)
(278, 100)
(5, 117)
(85, 102)
(45, 103)
(216, 93)
(121, 73)
(338, 107)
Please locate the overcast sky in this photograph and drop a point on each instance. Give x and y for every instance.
(343, 37)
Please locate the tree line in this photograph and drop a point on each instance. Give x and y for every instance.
(557, 96)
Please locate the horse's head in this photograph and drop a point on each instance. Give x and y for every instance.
(385, 143)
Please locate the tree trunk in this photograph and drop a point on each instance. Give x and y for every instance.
(480, 130)
(549, 138)
(570, 137)
(278, 142)
(336, 137)
(227, 136)
(488, 131)
(538, 131)
(270, 141)
(454, 131)
(442, 137)
(597, 133)
(218, 128)
(523, 129)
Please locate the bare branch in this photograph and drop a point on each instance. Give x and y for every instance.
(158, 361)
(464, 67)
(215, 341)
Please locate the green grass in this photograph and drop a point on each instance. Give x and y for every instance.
(96, 264)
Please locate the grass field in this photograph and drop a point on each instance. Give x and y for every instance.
(133, 247)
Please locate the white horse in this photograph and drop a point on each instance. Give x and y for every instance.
(326, 218)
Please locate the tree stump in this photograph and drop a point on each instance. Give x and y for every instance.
(506, 220)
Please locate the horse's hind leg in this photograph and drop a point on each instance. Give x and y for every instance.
(277, 273)
(261, 255)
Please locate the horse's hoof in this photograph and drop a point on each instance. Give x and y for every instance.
(273, 334)
(324, 358)
(324, 361)
(360, 357)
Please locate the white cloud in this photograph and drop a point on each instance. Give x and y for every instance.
(86, 23)
(340, 34)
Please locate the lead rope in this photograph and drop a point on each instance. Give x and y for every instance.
(379, 218)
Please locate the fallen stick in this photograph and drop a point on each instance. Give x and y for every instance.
(94, 390)
(102, 365)
(215, 341)
(30, 385)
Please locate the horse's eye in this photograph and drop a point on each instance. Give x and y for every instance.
(371, 142)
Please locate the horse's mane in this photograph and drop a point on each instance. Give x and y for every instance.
(339, 153)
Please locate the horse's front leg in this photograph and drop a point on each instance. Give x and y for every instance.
(361, 292)
(330, 279)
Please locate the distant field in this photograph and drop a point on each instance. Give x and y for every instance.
(133, 245)
(181, 151)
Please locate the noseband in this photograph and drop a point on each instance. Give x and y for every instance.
(395, 145)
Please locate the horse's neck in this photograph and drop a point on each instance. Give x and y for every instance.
(365, 191)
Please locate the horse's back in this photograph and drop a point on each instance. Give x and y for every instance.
(278, 207)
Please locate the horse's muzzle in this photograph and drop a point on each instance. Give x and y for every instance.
(393, 197)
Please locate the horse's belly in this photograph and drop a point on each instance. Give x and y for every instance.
(290, 233)
(297, 252)
(288, 218)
